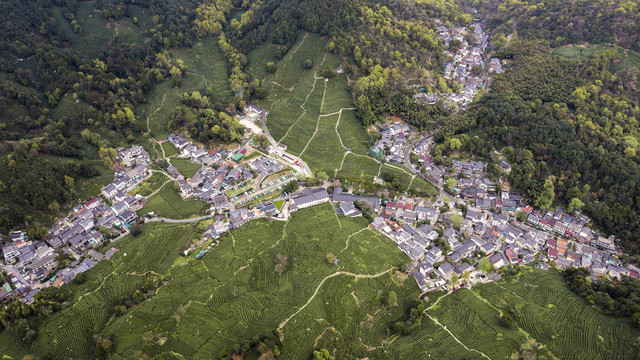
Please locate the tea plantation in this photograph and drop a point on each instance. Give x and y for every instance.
(233, 293)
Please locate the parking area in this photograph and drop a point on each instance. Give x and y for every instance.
(266, 166)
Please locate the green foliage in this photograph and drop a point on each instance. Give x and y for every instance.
(291, 186)
(135, 229)
(327, 72)
(456, 220)
(565, 147)
(614, 299)
(562, 23)
(484, 265)
(307, 64)
(537, 75)
(204, 122)
(322, 354)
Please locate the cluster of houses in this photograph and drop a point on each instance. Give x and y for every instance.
(392, 143)
(216, 174)
(440, 248)
(464, 59)
(495, 66)
(236, 218)
(471, 178)
(253, 112)
(84, 228)
(134, 171)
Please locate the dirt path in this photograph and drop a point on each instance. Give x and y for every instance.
(288, 89)
(447, 330)
(302, 106)
(158, 190)
(349, 238)
(317, 121)
(357, 276)
(341, 163)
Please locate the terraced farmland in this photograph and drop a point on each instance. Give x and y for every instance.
(570, 328)
(233, 294)
(185, 166)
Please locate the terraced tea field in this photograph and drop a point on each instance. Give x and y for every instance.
(233, 294)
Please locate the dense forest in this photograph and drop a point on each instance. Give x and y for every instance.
(570, 131)
(564, 22)
(620, 297)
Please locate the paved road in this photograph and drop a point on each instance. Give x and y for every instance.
(303, 165)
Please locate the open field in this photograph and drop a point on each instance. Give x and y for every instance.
(96, 32)
(352, 132)
(358, 167)
(545, 311)
(68, 333)
(338, 95)
(258, 59)
(627, 57)
(206, 73)
(168, 203)
(313, 117)
(186, 167)
(68, 107)
(324, 152)
(150, 185)
(579, 52)
(316, 118)
(169, 149)
(288, 87)
(234, 292)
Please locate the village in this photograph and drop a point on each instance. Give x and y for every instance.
(468, 68)
(222, 181)
(461, 237)
(30, 263)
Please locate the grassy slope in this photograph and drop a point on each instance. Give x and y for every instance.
(296, 101)
(169, 149)
(544, 309)
(627, 58)
(234, 293)
(186, 167)
(150, 185)
(168, 203)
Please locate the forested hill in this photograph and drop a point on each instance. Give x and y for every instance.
(393, 45)
(76, 74)
(565, 22)
(570, 131)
